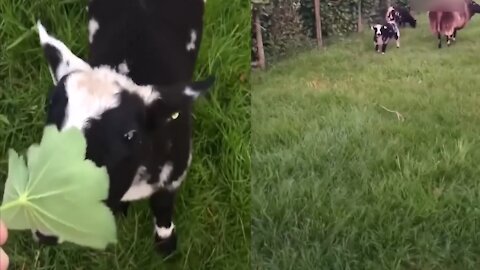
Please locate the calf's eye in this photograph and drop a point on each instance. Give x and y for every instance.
(174, 115)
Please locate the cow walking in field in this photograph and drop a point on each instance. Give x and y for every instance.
(404, 16)
(133, 100)
(382, 34)
(448, 18)
(392, 16)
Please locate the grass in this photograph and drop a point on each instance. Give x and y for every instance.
(213, 209)
(341, 183)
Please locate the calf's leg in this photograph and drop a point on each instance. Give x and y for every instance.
(162, 206)
(439, 40)
(384, 48)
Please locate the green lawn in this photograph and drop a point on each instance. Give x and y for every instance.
(213, 210)
(339, 182)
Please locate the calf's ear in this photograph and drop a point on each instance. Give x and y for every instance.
(60, 59)
(183, 93)
(199, 88)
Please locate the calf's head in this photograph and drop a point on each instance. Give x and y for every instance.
(117, 116)
(377, 29)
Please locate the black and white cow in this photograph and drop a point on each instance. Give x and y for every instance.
(392, 17)
(382, 34)
(133, 100)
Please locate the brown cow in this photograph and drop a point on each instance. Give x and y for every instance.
(447, 18)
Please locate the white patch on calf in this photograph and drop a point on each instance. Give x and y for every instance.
(193, 38)
(389, 16)
(139, 191)
(69, 61)
(140, 188)
(377, 28)
(93, 26)
(123, 68)
(177, 183)
(190, 92)
(164, 232)
(165, 173)
(92, 93)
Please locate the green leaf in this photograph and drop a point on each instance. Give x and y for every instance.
(59, 192)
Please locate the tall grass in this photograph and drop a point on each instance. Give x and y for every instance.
(341, 182)
(213, 210)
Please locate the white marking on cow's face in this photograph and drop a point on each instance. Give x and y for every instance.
(190, 92)
(139, 191)
(164, 232)
(165, 173)
(193, 38)
(177, 183)
(141, 175)
(93, 26)
(377, 29)
(92, 93)
(123, 68)
(391, 14)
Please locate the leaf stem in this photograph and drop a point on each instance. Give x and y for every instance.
(11, 204)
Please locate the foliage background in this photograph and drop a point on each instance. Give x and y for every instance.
(289, 25)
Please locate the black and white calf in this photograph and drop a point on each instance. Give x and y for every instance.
(137, 131)
(133, 100)
(382, 34)
(156, 43)
(392, 17)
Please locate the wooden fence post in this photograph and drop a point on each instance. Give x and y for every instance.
(258, 31)
(318, 23)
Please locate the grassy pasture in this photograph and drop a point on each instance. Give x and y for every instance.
(341, 181)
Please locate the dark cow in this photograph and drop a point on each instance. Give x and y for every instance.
(404, 16)
(382, 34)
(133, 100)
(448, 18)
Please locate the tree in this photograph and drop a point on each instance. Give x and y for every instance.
(256, 10)
(318, 23)
(359, 23)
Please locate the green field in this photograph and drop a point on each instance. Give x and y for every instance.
(340, 182)
(213, 209)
